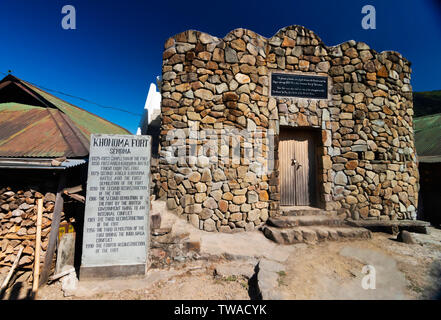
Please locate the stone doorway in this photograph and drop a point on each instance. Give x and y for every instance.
(298, 167)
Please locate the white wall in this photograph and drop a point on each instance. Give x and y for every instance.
(152, 109)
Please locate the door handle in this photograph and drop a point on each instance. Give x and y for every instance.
(295, 163)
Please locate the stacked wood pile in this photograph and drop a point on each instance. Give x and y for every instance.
(18, 216)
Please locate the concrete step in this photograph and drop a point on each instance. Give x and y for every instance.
(305, 220)
(314, 234)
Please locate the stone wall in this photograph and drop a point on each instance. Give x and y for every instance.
(216, 89)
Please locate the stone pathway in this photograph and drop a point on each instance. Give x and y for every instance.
(242, 245)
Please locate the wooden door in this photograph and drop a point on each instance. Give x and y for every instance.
(297, 167)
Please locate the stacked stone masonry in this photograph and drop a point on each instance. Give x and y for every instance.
(367, 163)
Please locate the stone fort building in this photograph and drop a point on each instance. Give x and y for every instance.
(252, 125)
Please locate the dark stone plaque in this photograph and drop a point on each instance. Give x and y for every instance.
(300, 86)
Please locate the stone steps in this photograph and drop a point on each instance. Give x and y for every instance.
(314, 234)
(305, 220)
(310, 225)
(302, 211)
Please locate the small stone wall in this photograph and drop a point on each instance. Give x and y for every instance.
(216, 89)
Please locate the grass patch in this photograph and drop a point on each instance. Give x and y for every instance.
(244, 284)
(281, 273)
(281, 278)
(230, 278)
(223, 280)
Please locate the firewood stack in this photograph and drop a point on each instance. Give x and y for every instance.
(18, 215)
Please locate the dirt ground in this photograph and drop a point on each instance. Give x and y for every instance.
(199, 284)
(329, 270)
(190, 281)
(333, 270)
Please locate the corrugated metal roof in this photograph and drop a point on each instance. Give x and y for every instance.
(40, 163)
(428, 137)
(87, 122)
(47, 126)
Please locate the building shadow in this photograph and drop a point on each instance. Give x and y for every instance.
(17, 292)
(253, 288)
(434, 291)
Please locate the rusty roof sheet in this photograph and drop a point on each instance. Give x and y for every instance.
(39, 163)
(50, 128)
(86, 122)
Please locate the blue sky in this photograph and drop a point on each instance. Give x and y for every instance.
(116, 50)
